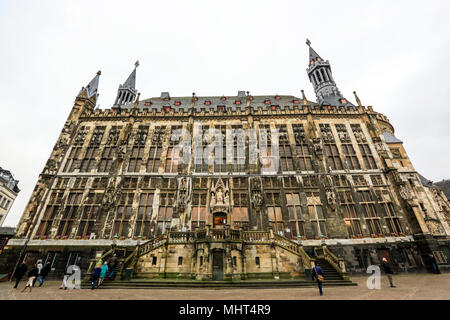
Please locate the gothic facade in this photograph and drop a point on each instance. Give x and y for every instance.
(182, 186)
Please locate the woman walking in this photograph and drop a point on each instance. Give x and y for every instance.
(103, 273)
(31, 277)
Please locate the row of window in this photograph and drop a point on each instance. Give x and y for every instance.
(86, 161)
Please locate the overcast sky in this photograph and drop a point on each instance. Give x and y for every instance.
(393, 53)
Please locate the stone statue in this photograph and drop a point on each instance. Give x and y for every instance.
(405, 193)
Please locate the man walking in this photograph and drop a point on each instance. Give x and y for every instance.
(433, 263)
(44, 272)
(388, 270)
(112, 266)
(66, 276)
(39, 268)
(317, 273)
(20, 272)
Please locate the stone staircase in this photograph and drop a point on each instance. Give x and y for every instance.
(330, 273)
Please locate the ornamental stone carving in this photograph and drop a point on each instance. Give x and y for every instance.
(220, 199)
(405, 193)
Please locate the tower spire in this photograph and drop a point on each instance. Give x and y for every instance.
(127, 92)
(319, 73)
(92, 88)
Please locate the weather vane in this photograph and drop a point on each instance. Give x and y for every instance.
(137, 63)
(308, 42)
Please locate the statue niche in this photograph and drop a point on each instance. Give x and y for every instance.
(220, 203)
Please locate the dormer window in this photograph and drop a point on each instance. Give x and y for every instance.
(251, 98)
(167, 108)
(195, 99)
(312, 61)
(147, 103)
(318, 59)
(343, 101)
(296, 101)
(207, 102)
(166, 99)
(267, 101)
(273, 107)
(177, 103)
(237, 102)
(221, 108)
(277, 97)
(223, 98)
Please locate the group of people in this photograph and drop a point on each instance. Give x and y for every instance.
(101, 270)
(37, 272)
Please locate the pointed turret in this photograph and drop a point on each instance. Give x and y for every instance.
(319, 73)
(91, 90)
(127, 92)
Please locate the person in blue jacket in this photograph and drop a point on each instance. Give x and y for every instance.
(103, 273)
(95, 276)
(317, 273)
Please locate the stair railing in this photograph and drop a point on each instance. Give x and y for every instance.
(284, 242)
(336, 263)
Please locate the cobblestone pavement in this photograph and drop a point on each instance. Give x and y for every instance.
(409, 287)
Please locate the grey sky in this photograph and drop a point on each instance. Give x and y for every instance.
(393, 53)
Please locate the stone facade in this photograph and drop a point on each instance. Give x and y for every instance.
(343, 188)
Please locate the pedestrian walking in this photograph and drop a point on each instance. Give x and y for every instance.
(317, 273)
(39, 267)
(31, 277)
(112, 266)
(434, 263)
(44, 272)
(66, 276)
(96, 275)
(103, 273)
(388, 270)
(20, 272)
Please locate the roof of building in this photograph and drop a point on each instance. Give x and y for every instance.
(9, 180)
(391, 138)
(313, 55)
(239, 101)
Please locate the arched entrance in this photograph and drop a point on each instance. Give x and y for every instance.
(219, 219)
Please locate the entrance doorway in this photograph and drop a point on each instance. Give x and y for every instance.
(219, 219)
(217, 266)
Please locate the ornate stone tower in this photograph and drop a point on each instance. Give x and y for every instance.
(127, 92)
(319, 73)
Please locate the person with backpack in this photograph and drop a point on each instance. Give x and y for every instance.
(317, 273)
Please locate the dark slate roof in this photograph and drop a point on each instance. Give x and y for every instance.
(158, 103)
(313, 55)
(131, 80)
(391, 138)
(92, 86)
(10, 182)
(424, 180)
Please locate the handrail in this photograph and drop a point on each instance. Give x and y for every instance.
(337, 263)
(255, 236)
(307, 261)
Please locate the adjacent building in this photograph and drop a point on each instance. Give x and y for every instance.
(8, 192)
